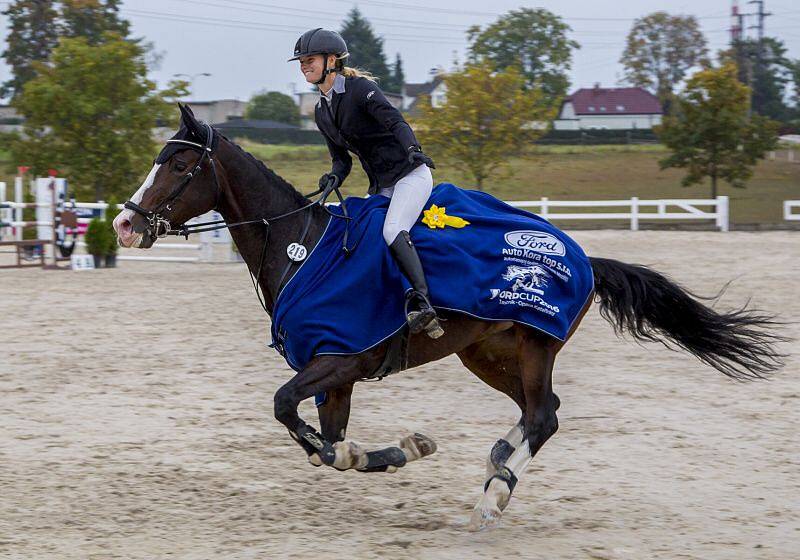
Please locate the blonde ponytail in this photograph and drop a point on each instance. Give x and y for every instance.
(349, 72)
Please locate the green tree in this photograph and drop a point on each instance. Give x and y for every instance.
(366, 48)
(765, 68)
(92, 19)
(711, 135)
(660, 50)
(90, 112)
(397, 77)
(31, 38)
(533, 40)
(485, 119)
(273, 106)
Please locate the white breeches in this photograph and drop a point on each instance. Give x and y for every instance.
(409, 196)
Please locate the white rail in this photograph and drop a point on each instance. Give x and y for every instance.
(636, 210)
(787, 210)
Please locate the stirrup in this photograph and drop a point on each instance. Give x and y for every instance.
(423, 319)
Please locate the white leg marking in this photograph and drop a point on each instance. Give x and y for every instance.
(514, 437)
(489, 509)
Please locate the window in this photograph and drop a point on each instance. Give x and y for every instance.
(620, 107)
(602, 109)
(591, 108)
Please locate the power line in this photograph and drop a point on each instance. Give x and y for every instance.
(280, 28)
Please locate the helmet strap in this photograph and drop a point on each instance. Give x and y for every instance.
(326, 71)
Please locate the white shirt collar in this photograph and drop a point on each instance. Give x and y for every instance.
(338, 87)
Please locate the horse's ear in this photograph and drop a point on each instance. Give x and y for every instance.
(188, 119)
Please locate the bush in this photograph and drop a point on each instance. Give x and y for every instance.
(97, 237)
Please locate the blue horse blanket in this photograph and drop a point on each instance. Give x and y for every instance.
(481, 257)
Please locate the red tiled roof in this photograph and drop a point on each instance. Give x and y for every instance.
(614, 101)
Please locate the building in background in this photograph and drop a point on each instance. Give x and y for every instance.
(308, 100)
(609, 109)
(413, 93)
(10, 120)
(218, 111)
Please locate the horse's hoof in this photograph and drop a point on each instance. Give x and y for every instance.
(417, 446)
(484, 518)
(315, 460)
(349, 455)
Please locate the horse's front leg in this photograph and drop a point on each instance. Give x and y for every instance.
(323, 374)
(334, 413)
(336, 375)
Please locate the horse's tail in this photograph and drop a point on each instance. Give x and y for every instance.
(649, 306)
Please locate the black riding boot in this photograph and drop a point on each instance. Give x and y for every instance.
(419, 311)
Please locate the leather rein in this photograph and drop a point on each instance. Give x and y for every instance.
(159, 227)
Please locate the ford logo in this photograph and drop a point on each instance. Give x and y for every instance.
(536, 241)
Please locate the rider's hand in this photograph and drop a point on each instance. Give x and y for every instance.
(329, 181)
(415, 155)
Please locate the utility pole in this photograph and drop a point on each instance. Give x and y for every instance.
(759, 27)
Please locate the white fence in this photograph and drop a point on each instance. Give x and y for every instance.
(11, 216)
(636, 209)
(787, 210)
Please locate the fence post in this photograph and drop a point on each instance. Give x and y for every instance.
(544, 207)
(16, 215)
(103, 210)
(723, 222)
(634, 213)
(790, 156)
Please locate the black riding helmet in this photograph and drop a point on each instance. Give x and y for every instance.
(320, 41)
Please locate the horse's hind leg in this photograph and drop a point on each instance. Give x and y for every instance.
(494, 361)
(536, 355)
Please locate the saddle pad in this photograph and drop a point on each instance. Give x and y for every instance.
(481, 257)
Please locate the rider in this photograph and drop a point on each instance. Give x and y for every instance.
(354, 116)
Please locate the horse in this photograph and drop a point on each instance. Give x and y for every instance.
(199, 170)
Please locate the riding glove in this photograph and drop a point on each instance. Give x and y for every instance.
(329, 181)
(415, 155)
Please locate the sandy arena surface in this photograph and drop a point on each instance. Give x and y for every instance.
(136, 409)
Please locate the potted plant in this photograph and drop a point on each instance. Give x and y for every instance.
(96, 239)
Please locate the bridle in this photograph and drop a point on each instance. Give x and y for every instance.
(158, 226)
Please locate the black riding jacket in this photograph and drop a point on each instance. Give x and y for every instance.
(365, 123)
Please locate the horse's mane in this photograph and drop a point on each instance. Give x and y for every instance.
(274, 179)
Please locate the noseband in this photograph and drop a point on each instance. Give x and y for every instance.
(157, 225)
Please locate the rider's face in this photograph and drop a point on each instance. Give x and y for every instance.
(311, 67)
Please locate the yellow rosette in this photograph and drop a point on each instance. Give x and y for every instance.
(436, 217)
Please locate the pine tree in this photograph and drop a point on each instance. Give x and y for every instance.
(91, 19)
(32, 36)
(366, 49)
(398, 76)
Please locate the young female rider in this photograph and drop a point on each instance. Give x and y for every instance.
(354, 116)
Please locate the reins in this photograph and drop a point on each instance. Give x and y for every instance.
(159, 226)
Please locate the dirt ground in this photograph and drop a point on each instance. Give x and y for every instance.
(136, 422)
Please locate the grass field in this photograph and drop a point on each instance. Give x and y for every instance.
(573, 173)
(562, 173)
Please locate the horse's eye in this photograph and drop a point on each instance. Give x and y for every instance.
(179, 166)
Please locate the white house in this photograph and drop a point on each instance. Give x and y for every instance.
(435, 89)
(609, 108)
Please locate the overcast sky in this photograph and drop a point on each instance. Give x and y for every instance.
(244, 44)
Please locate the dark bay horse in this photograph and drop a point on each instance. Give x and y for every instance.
(200, 170)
